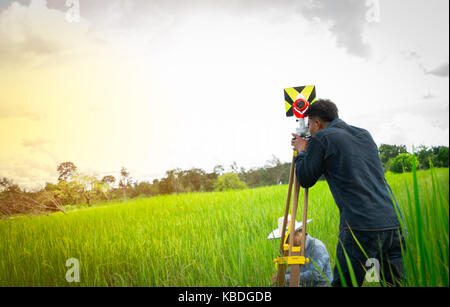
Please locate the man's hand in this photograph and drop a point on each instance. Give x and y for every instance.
(299, 143)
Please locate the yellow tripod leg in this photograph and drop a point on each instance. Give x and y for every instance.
(283, 253)
(295, 268)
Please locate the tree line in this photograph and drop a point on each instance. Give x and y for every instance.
(75, 188)
(397, 159)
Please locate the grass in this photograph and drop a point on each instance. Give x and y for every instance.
(207, 239)
(427, 251)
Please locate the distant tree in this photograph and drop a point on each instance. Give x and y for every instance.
(5, 184)
(66, 170)
(275, 169)
(424, 156)
(168, 185)
(125, 182)
(8, 189)
(89, 187)
(66, 192)
(143, 188)
(209, 182)
(253, 177)
(219, 170)
(286, 173)
(243, 174)
(178, 182)
(402, 163)
(193, 179)
(234, 167)
(108, 181)
(135, 189)
(155, 187)
(434, 155)
(49, 186)
(436, 149)
(443, 157)
(388, 152)
(229, 181)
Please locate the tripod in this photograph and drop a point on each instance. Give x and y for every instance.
(292, 255)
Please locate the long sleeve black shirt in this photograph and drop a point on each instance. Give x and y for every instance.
(348, 158)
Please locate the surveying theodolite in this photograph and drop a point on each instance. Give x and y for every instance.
(297, 102)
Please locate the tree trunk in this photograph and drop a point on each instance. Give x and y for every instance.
(86, 196)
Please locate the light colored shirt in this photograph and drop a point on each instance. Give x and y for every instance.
(310, 276)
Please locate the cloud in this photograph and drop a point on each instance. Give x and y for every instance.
(30, 173)
(439, 71)
(35, 144)
(400, 131)
(31, 33)
(346, 20)
(8, 111)
(428, 95)
(18, 37)
(41, 146)
(411, 55)
(32, 165)
(425, 122)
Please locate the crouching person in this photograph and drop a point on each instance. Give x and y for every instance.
(317, 274)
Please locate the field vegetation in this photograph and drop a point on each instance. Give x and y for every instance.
(207, 238)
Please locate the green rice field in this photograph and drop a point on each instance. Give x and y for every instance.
(208, 239)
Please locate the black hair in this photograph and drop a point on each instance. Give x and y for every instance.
(324, 109)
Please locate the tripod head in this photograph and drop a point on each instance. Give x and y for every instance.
(297, 102)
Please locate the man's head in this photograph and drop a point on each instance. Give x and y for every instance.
(320, 114)
(278, 233)
(297, 237)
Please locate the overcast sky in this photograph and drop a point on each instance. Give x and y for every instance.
(156, 85)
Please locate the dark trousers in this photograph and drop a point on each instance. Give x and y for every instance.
(384, 250)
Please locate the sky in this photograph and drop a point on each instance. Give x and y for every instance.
(154, 85)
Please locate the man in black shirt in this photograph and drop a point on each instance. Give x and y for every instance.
(348, 158)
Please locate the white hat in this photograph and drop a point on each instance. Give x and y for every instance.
(276, 234)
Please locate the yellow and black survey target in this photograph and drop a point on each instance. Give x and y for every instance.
(297, 98)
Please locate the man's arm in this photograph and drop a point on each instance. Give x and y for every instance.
(309, 163)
